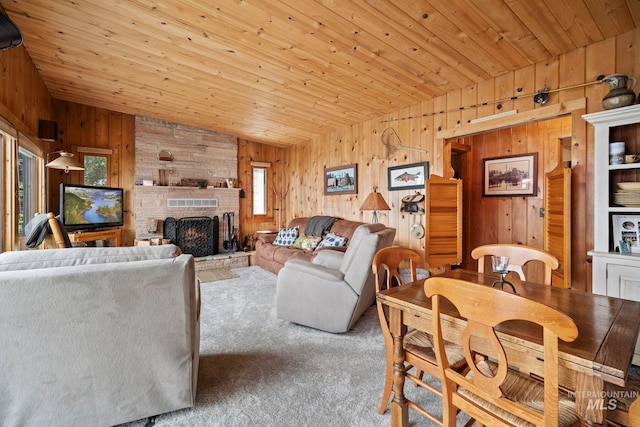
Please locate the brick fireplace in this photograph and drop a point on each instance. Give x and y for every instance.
(197, 155)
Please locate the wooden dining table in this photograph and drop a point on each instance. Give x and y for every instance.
(607, 333)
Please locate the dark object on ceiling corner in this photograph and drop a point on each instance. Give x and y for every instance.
(10, 35)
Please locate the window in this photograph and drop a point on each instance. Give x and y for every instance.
(96, 165)
(22, 185)
(29, 185)
(95, 170)
(27, 188)
(259, 191)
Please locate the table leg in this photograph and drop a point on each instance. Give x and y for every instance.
(590, 401)
(399, 404)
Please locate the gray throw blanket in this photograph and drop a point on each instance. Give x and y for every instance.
(317, 224)
(37, 229)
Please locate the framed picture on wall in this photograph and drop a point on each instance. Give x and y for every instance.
(341, 179)
(408, 177)
(510, 175)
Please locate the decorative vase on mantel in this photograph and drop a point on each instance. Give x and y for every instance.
(619, 94)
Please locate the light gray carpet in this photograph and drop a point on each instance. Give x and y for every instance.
(256, 370)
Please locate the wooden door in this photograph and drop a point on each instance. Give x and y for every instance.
(443, 208)
(557, 222)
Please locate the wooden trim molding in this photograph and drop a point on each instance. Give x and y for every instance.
(536, 115)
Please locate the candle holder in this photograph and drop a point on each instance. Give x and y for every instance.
(500, 265)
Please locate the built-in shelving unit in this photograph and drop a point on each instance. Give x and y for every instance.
(616, 212)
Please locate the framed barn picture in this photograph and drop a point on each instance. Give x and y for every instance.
(341, 180)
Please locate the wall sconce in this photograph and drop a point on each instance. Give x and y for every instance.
(65, 161)
(375, 202)
(165, 156)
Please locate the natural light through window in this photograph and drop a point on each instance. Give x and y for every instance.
(259, 191)
(27, 188)
(95, 170)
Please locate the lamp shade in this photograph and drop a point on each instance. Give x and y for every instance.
(65, 161)
(375, 202)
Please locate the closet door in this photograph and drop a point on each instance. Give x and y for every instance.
(443, 208)
(557, 222)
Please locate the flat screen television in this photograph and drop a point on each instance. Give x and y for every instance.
(84, 207)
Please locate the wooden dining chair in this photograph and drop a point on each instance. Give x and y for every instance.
(622, 414)
(419, 354)
(634, 413)
(519, 255)
(492, 392)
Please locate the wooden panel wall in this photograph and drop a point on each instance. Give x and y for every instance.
(510, 219)
(276, 187)
(24, 99)
(85, 126)
(418, 125)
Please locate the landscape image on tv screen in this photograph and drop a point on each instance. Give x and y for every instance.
(92, 206)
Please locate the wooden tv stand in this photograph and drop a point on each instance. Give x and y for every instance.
(113, 235)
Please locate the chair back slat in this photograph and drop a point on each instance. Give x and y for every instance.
(519, 255)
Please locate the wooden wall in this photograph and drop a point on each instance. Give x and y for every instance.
(24, 98)
(84, 126)
(418, 126)
(509, 219)
(276, 186)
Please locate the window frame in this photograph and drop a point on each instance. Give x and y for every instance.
(265, 196)
(97, 152)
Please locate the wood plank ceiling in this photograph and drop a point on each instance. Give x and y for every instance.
(285, 71)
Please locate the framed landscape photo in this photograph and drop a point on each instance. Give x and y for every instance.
(408, 177)
(341, 180)
(510, 175)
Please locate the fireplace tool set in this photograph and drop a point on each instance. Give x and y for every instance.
(230, 232)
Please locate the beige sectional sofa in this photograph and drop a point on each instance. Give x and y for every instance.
(273, 257)
(97, 336)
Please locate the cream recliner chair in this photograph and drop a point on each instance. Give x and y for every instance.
(333, 291)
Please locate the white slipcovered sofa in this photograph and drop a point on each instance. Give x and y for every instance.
(97, 336)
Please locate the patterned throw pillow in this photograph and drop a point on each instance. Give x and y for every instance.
(298, 241)
(332, 240)
(287, 236)
(309, 243)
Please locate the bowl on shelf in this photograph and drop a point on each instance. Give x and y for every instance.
(629, 185)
